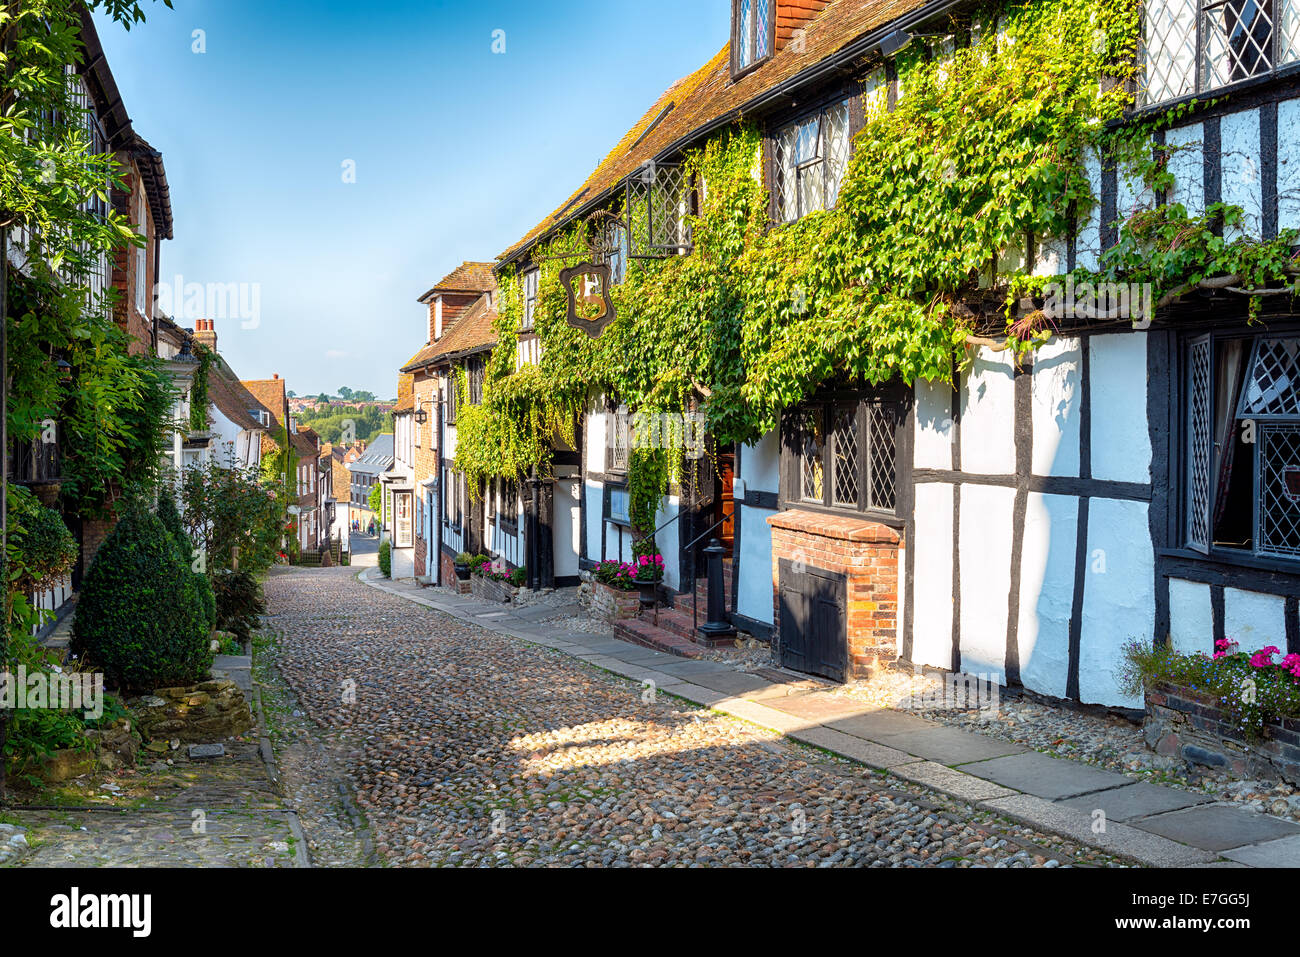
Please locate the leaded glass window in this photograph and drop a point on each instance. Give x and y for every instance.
(1243, 444)
(811, 155)
(842, 453)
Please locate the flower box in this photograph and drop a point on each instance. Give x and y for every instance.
(1189, 724)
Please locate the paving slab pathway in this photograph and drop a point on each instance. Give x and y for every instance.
(1144, 822)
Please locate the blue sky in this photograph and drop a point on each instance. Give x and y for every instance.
(458, 151)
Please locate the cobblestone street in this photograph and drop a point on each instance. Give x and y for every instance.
(462, 746)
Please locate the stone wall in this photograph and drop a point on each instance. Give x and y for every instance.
(1184, 724)
(491, 590)
(613, 604)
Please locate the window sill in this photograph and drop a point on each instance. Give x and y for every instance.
(1233, 559)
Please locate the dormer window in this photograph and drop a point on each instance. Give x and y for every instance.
(753, 34)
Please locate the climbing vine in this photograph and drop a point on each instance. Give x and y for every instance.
(199, 390)
(947, 205)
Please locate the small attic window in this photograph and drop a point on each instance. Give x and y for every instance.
(753, 34)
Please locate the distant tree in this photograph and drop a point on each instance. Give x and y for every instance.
(363, 396)
(345, 392)
(323, 399)
(292, 394)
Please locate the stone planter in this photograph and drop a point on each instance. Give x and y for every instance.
(1187, 724)
(483, 587)
(462, 572)
(613, 604)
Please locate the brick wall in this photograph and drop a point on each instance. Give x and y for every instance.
(449, 573)
(139, 327)
(613, 604)
(1184, 724)
(93, 534)
(866, 553)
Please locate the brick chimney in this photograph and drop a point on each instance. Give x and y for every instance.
(205, 334)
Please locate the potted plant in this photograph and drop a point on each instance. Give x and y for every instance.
(649, 573)
(462, 564)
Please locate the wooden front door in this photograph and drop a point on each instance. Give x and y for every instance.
(813, 627)
(724, 505)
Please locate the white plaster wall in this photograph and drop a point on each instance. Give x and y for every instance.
(1088, 241)
(1254, 620)
(1047, 591)
(1288, 164)
(595, 503)
(1187, 166)
(1052, 257)
(934, 426)
(669, 540)
(988, 415)
(985, 554)
(760, 464)
(403, 563)
(760, 471)
(594, 434)
(567, 539)
(754, 591)
(1118, 597)
(1191, 617)
(1121, 445)
(1239, 143)
(1132, 195)
(932, 576)
(1055, 407)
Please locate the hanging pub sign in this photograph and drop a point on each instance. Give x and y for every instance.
(587, 287)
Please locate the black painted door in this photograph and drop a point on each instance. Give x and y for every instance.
(814, 633)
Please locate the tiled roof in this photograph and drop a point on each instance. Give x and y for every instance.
(405, 394)
(473, 331)
(235, 401)
(467, 277)
(708, 96)
(378, 457)
(269, 392)
(304, 443)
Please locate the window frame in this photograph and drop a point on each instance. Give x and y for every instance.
(618, 424)
(1201, 80)
(739, 69)
(895, 400)
(623, 519)
(849, 98)
(531, 283)
(509, 506)
(1181, 464)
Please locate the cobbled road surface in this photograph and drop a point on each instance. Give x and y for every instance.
(461, 746)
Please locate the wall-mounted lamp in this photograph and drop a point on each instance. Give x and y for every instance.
(894, 42)
(421, 416)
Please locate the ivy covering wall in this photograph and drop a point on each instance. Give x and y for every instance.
(945, 202)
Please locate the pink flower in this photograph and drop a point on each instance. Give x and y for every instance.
(1264, 657)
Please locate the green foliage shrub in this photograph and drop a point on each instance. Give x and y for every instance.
(239, 603)
(386, 559)
(140, 617)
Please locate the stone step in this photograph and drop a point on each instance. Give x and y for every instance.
(647, 635)
(680, 624)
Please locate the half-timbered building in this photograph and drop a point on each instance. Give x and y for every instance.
(1128, 481)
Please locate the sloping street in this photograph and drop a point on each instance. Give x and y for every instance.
(468, 747)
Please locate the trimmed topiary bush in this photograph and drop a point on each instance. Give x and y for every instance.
(239, 603)
(386, 559)
(140, 618)
(171, 520)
